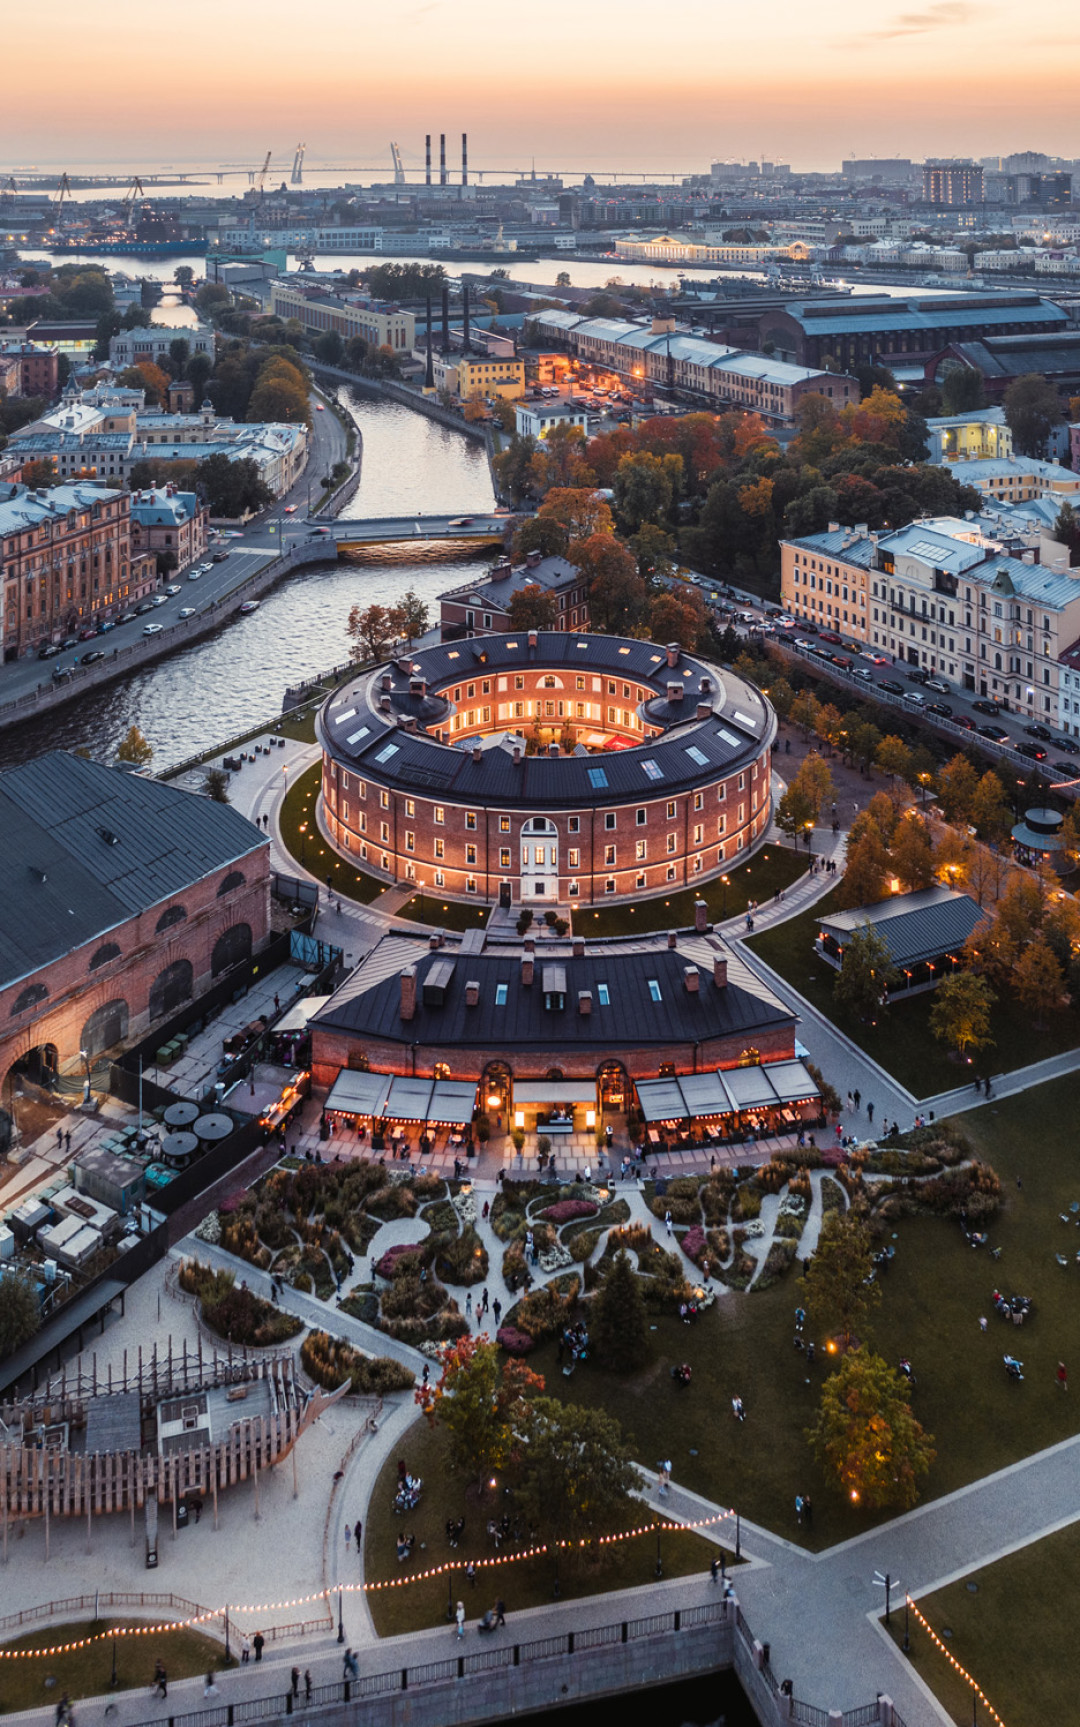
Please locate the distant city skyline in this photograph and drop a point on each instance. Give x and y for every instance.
(573, 86)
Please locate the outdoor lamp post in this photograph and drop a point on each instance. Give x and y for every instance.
(420, 885)
(809, 831)
(557, 1586)
(726, 881)
(449, 1594)
(113, 1680)
(907, 1637)
(659, 1563)
(340, 1616)
(303, 841)
(84, 1056)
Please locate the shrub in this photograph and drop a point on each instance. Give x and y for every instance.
(463, 1260)
(683, 1209)
(406, 1257)
(396, 1200)
(515, 1342)
(441, 1217)
(779, 1258)
(545, 1311)
(565, 1210)
(362, 1304)
(832, 1195)
(581, 1245)
(408, 1298)
(747, 1204)
(693, 1244)
(428, 1185)
(719, 1247)
(740, 1271)
(789, 1227)
(329, 1361)
(244, 1318)
(716, 1196)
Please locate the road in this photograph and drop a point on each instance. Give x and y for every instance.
(865, 680)
(246, 552)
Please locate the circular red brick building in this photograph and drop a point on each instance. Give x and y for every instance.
(650, 772)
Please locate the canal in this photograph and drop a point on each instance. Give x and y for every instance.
(236, 677)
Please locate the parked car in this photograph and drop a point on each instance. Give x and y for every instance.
(143, 607)
(159, 599)
(94, 655)
(186, 612)
(1066, 769)
(982, 706)
(863, 672)
(876, 659)
(152, 629)
(996, 733)
(218, 557)
(195, 575)
(830, 636)
(919, 675)
(173, 588)
(128, 616)
(942, 709)
(915, 698)
(1034, 752)
(1038, 730)
(939, 684)
(88, 634)
(69, 642)
(62, 673)
(891, 685)
(966, 721)
(49, 650)
(105, 626)
(1069, 745)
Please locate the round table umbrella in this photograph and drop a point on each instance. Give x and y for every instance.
(214, 1126)
(181, 1114)
(178, 1147)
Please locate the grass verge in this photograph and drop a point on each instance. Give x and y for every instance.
(308, 847)
(902, 1041)
(772, 868)
(526, 1583)
(87, 1672)
(431, 908)
(976, 1620)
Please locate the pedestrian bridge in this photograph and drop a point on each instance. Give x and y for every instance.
(353, 536)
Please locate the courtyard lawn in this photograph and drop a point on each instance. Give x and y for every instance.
(32, 1684)
(431, 908)
(310, 850)
(521, 1584)
(979, 1628)
(770, 869)
(932, 1299)
(901, 1041)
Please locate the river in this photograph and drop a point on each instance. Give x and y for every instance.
(236, 677)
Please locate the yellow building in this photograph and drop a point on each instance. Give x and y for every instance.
(488, 375)
(823, 578)
(980, 435)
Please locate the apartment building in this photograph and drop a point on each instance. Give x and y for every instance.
(484, 605)
(979, 435)
(1015, 479)
(318, 311)
(66, 560)
(128, 347)
(958, 606)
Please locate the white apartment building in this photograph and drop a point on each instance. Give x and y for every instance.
(128, 347)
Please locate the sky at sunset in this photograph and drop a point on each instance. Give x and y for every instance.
(573, 83)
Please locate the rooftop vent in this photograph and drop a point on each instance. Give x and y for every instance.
(109, 837)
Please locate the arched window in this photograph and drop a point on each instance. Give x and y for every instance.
(232, 947)
(750, 1058)
(173, 915)
(442, 1070)
(107, 1025)
(171, 988)
(30, 996)
(235, 878)
(109, 951)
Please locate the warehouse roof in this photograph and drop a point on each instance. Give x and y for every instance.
(86, 847)
(913, 926)
(979, 312)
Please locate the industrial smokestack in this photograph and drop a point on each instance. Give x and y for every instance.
(464, 158)
(446, 317)
(465, 318)
(427, 159)
(429, 370)
(442, 158)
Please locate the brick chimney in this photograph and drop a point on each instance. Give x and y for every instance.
(434, 943)
(385, 704)
(477, 753)
(584, 1002)
(719, 971)
(386, 682)
(579, 947)
(691, 978)
(675, 692)
(528, 965)
(472, 993)
(408, 992)
(532, 559)
(701, 916)
(672, 938)
(532, 638)
(704, 710)
(553, 749)
(517, 755)
(673, 655)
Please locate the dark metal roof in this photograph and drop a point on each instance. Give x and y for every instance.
(914, 926)
(632, 1018)
(86, 847)
(359, 733)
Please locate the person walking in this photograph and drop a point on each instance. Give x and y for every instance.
(468, 1305)
(307, 1684)
(210, 1689)
(496, 1308)
(294, 1677)
(459, 1615)
(257, 1643)
(798, 1509)
(161, 1678)
(667, 1221)
(807, 1510)
(857, 1095)
(500, 1612)
(348, 1538)
(1062, 1376)
(870, 1112)
(358, 1533)
(245, 1650)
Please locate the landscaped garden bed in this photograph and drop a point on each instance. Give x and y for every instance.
(330, 1362)
(234, 1313)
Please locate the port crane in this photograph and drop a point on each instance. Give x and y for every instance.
(298, 165)
(135, 190)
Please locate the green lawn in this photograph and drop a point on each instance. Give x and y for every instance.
(445, 913)
(932, 1299)
(769, 869)
(310, 849)
(529, 1583)
(902, 1041)
(978, 1627)
(87, 1672)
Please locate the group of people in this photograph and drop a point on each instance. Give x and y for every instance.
(405, 1545)
(409, 1489)
(494, 1617)
(574, 1340)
